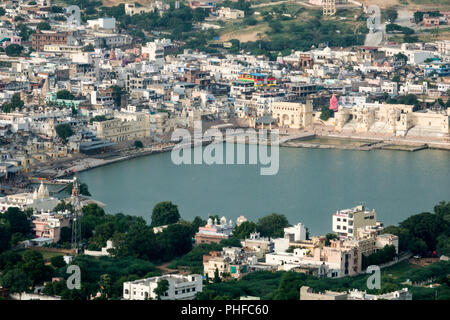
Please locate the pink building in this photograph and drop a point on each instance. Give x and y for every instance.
(11, 40)
(338, 256)
(49, 224)
(430, 21)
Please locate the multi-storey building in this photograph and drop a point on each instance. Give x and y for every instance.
(347, 221)
(41, 38)
(124, 127)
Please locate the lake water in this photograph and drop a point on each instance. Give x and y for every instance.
(310, 186)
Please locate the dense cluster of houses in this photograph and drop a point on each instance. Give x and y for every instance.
(110, 89)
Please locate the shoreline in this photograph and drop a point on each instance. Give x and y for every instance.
(359, 143)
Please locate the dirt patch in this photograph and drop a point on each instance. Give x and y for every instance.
(249, 34)
(423, 262)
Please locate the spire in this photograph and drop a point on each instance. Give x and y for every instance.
(333, 103)
(41, 191)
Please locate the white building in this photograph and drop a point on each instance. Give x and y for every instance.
(180, 287)
(155, 51)
(102, 23)
(295, 233)
(347, 221)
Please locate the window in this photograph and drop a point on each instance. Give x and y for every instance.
(338, 227)
(338, 219)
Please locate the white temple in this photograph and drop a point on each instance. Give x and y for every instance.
(39, 200)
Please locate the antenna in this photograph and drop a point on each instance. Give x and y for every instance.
(76, 221)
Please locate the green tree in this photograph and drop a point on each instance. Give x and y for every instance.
(15, 103)
(17, 220)
(390, 14)
(174, 241)
(88, 48)
(442, 210)
(5, 237)
(196, 223)
(117, 94)
(326, 113)
(272, 225)
(65, 235)
(64, 131)
(14, 50)
(58, 261)
(164, 213)
(161, 288)
(33, 265)
(16, 280)
(244, 229)
(24, 31)
(217, 278)
(138, 144)
(330, 236)
(65, 95)
(43, 26)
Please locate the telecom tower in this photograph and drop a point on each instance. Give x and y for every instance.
(76, 221)
(329, 7)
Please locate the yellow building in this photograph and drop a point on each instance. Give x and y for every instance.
(124, 127)
(292, 114)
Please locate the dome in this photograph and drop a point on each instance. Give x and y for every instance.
(223, 220)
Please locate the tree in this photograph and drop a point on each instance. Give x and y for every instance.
(16, 280)
(272, 225)
(217, 278)
(33, 265)
(88, 48)
(58, 261)
(62, 205)
(330, 236)
(5, 237)
(65, 235)
(196, 223)
(43, 26)
(117, 94)
(387, 254)
(174, 241)
(138, 144)
(17, 220)
(14, 50)
(64, 131)
(161, 288)
(65, 95)
(24, 31)
(442, 209)
(15, 103)
(390, 14)
(244, 229)
(164, 213)
(326, 113)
